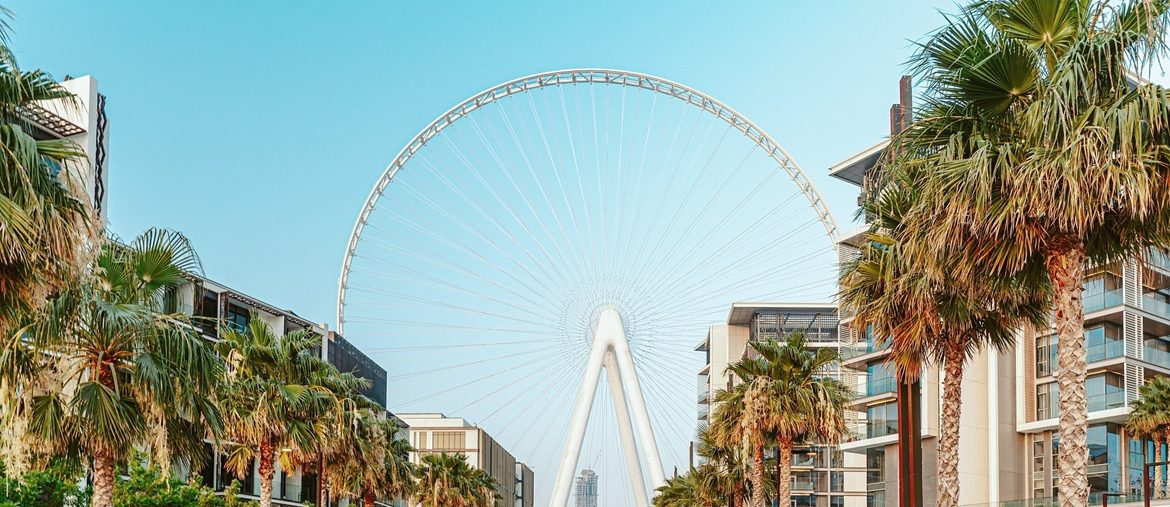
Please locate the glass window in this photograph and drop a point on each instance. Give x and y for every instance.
(1105, 391)
(836, 501)
(881, 420)
(879, 379)
(1105, 459)
(875, 466)
(237, 317)
(1046, 356)
(449, 440)
(875, 499)
(1103, 341)
(836, 481)
(1047, 401)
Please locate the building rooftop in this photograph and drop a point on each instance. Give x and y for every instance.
(741, 313)
(853, 169)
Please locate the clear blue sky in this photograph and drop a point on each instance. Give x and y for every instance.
(257, 128)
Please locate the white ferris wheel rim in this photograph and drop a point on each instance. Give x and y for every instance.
(579, 76)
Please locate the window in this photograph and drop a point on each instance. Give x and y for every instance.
(879, 379)
(836, 501)
(875, 466)
(881, 420)
(1047, 401)
(449, 440)
(836, 481)
(1157, 350)
(1103, 341)
(1101, 291)
(1045, 356)
(1039, 466)
(875, 499)
(1104, 458)
(1105, 391)
(237, 317)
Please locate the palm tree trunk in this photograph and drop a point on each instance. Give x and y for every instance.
(267, 470)
(322, 483)
(784, 474)
(759, 499)
(103, 479)
(1159, 477)
(948, 439)
(1065, 265)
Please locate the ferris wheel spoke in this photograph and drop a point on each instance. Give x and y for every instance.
(535, 371)
(416, 373)
(503, 371)
(427, 302)
(448, 238)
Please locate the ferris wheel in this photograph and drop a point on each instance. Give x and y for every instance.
(570, 222)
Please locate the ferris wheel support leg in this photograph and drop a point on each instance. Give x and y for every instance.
(633, 389)
(577, 426)
(626, 429)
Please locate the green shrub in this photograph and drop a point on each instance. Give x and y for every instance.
(56, 486)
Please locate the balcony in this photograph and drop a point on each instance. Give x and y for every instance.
(875, 429)
(878, 386)
(1113, 399)
(803, 485)
(1102, 300)
(1158, 259)
(1156, 306)
(802, 459)
(1156, 357)
(1102, 351)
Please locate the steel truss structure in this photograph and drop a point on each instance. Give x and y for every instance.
(572, 77)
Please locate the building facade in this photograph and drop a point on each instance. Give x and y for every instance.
(585, 488)
(434, 433)
(819, 473)
(83, 121)
(209, 303)
(1008, 427)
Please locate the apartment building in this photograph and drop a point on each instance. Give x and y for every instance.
(819, 477)
(209, 303)
(434, 433)
(1008, 436)
(585, 488)
(83, 121)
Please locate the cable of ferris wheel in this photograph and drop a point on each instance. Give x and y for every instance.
(460, 245)
(490, 217)
(431, 256)
(564, 388)
(416, 373)
(535, 371)
(437, 283)
(378, 350)
(477, 380)
(539, 184)
(671, 271)
(671, 182)
(749, 260)
(641, 271)
(739, 263)
(511, 211)
(550, 373)
(515, 186)
(428, 302)
(415, 323)
(730, 243)
(577, 173)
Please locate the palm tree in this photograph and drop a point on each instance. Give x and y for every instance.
(1150, 418)
(932, 316)
(276, 401)
(112, 366)
(784, 395)
(447, 480)
(1034, 152)
(698, 487)
(730, 462)
(377, 464)
(47, 222)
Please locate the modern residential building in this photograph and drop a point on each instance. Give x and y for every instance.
(820, 477)
(209, 302)
(434, 433)
(585, 488)
(1008, 436)
(81, 120)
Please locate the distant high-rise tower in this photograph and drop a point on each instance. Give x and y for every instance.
(586, 489)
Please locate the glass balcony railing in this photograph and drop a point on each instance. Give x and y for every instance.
(880, 429)
(803, 485)
(1156, 306)
(1158, 260)
(877, 386)
(803, 460)
(1107, 401)
(1156, 356)
(1102, 351)
(1102, 300)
